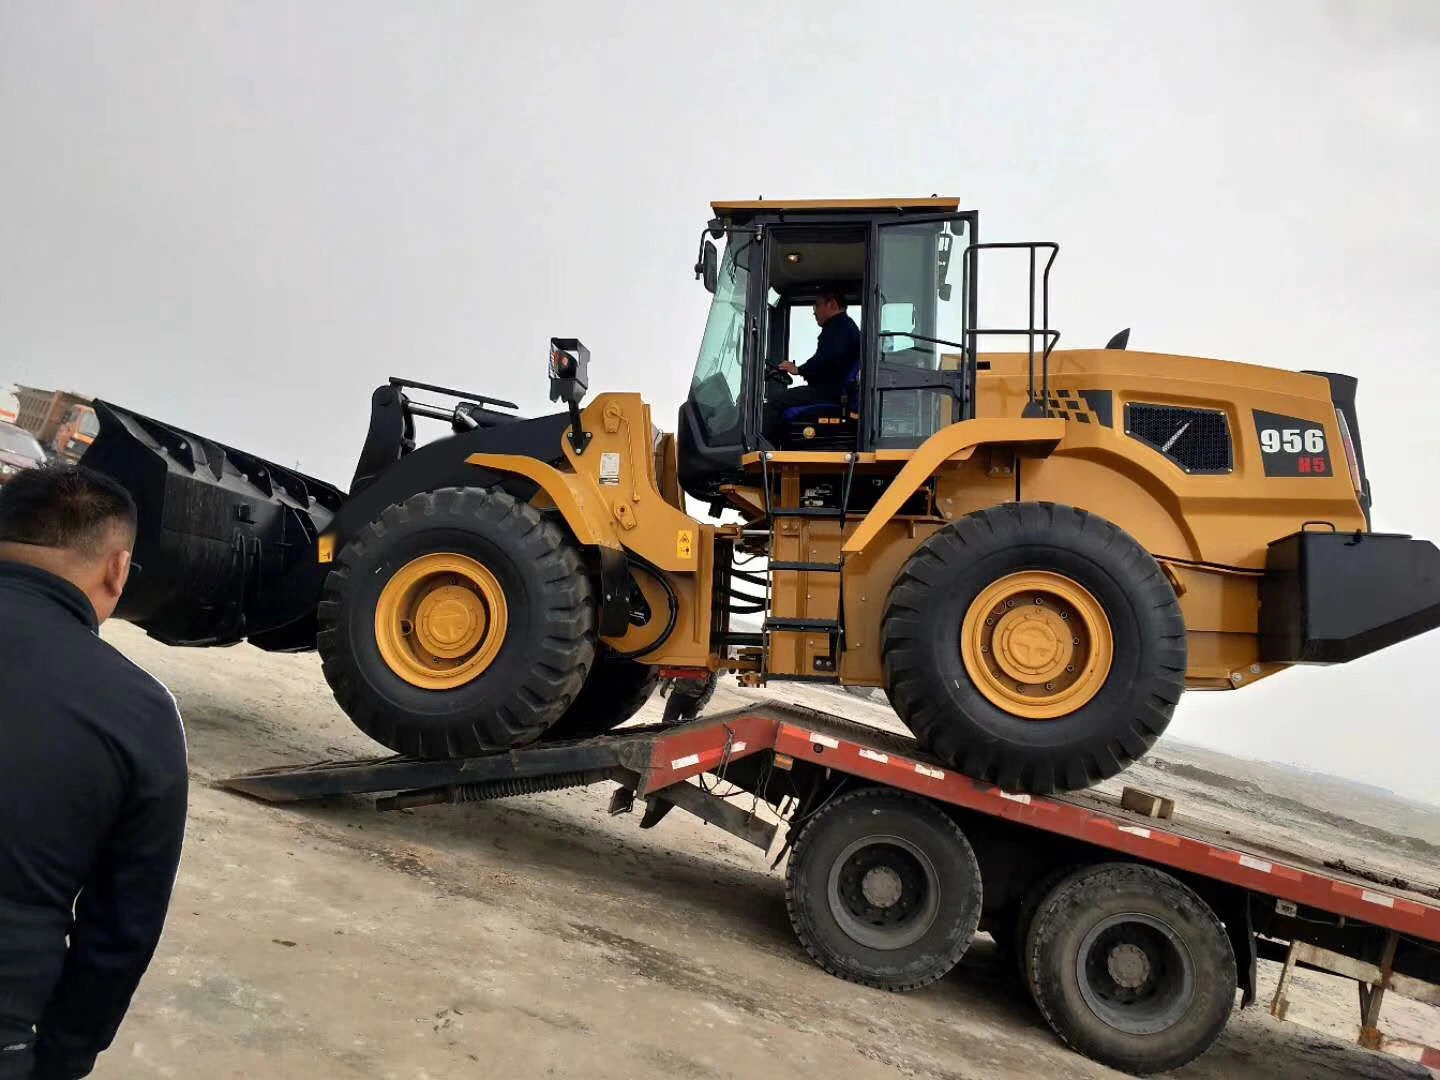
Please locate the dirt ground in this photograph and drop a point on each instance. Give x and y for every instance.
(541, 937)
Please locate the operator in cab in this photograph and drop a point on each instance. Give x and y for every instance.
(829, 374)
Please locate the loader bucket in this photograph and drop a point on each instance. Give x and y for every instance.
(226, 547)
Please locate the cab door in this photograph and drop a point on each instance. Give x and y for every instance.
(920, 304)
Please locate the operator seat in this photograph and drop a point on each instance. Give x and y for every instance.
(826, 425)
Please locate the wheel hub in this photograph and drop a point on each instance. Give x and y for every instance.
(1135, 973)
(1128, 966)
(884, 892)
(440, 620)
(882, 886)
(1037, 644)
(450, 621)
(1032, 644)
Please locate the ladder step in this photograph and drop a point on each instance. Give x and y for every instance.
(809, 626)
(817, 567)
(808, 512)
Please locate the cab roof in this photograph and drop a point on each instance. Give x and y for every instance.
(745, 207)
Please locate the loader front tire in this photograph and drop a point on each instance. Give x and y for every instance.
(459, 622)
(1034, 646)
(615, 690)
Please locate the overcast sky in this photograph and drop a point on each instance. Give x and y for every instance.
(241, 218)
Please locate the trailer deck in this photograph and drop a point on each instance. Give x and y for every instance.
(1276, 902)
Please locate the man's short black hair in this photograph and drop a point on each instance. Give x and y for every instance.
(65, 506)
(834, 294)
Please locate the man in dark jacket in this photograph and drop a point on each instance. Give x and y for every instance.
(92, 779)
(830, 375)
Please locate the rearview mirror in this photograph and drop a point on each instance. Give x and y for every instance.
(707, 268)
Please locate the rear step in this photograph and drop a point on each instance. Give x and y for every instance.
(806, 626)
(813, 567)
(226, 545)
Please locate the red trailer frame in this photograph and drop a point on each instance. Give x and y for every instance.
(1262, 895)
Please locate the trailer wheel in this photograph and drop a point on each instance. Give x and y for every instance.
(1034, 646)
(614, 691)
(883, 889)
(1130, 967)
(459, 622)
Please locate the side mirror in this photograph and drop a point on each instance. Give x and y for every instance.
(707, 268)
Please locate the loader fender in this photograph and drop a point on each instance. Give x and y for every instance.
(441, 464)
(1030, 437)
(587, 517)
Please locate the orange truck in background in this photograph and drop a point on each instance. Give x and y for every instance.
(61, 421)
(76, 433)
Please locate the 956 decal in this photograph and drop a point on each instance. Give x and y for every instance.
(1291, 446)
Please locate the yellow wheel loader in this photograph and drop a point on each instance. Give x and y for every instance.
(1033, 551)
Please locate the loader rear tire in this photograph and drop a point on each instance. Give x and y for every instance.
(615, 690)
(459, 622)
(1034, 646)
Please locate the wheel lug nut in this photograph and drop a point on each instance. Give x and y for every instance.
(1009, 603)
(1070, 668)
(1064, 615)
(1049, 686)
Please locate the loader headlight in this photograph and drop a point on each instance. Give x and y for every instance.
(569, 370)
(7, 469)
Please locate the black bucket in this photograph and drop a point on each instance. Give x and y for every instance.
(226, 549)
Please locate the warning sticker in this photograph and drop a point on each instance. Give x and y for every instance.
(684, 544)
(610, 469)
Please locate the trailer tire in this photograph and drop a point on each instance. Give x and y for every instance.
(1012, 928)
(492, 571)
(1131, 968)
(614, 691)
(883, 889)
(1034, 646)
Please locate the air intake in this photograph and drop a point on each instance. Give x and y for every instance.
(1197, 440)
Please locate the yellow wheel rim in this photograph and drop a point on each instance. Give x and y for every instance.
(440, 621)
(1037, 644)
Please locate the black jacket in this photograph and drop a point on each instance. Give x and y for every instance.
(92, 814)
(837, 352)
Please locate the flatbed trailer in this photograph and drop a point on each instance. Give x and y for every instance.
(1132, 933)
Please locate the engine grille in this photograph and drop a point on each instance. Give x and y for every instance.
(1197, 440)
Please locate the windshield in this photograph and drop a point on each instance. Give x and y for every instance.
(715, 389)
(89, 423)
(15, 441)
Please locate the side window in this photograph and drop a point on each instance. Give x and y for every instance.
(897, 322)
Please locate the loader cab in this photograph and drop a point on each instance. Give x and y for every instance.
(901, 267)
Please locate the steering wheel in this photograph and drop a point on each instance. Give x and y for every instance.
(773, 374)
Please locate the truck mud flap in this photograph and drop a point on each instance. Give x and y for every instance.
(1328, 598)
(226, 549)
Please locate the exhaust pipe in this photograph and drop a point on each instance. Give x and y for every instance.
(226, 547)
